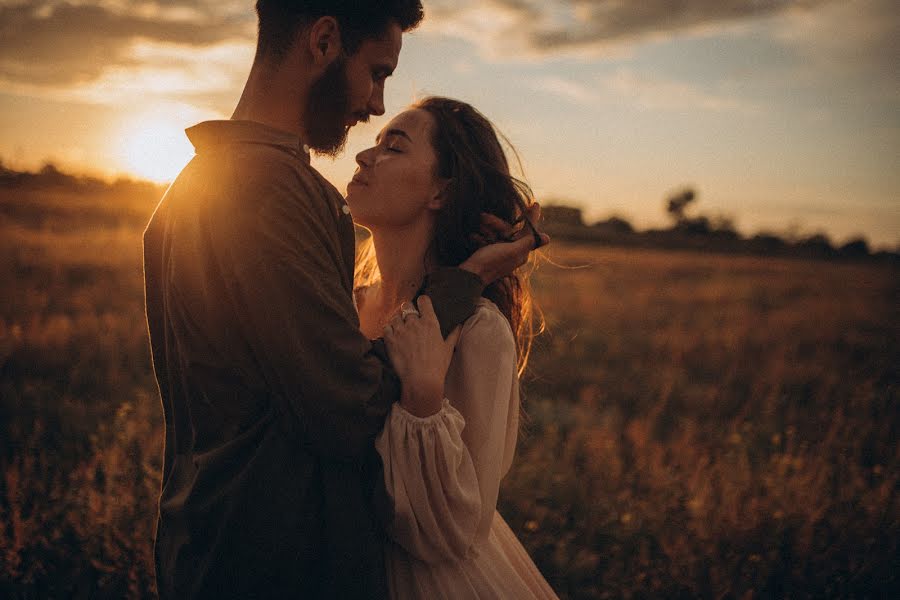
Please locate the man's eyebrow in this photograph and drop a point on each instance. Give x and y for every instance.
(395, 131)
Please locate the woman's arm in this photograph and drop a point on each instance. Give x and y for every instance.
(420, 355)
(442, 471)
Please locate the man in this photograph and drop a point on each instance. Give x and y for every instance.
(272, 397)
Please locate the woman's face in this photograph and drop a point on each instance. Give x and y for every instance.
(395, 183)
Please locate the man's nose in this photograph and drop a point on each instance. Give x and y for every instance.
(376, 101)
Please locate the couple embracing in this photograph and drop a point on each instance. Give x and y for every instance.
(334, 429)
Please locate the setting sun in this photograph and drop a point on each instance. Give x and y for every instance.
(155, 147)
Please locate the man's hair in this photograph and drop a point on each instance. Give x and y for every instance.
(279, 20)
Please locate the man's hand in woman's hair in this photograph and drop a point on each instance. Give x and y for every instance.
(507, 245)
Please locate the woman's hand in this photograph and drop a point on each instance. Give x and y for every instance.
(420, 356)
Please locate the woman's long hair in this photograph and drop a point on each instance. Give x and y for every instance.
(471, 159)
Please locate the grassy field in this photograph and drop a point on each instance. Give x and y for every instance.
(699, 425)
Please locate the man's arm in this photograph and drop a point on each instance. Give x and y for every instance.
(453, 291)
(506, 247)
(280, 256)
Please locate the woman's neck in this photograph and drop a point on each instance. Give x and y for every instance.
(403, 261)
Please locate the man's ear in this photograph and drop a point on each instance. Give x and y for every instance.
(323, 40)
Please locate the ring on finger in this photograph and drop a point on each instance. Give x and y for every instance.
(407, 309)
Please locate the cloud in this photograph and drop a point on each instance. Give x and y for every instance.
(168, 70)
(646, 92)
(856, 42)
(846, 52)
(573, 91)
(59, 44)
(661, 94)
(560, 27)
(102, 49)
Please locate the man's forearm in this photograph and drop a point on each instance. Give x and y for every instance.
(453, 292)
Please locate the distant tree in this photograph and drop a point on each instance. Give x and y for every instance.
(766, 243)
(50, 175)
(677, 203)
(816, 240)
(723, 224)
(49, 170)
(817, 245)
(10, 177)
(558, 214)
(614, 225)
(719, 226)
(855, 248)
(695, 226)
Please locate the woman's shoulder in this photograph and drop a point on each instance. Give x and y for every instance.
(487, 324)
(485, 305)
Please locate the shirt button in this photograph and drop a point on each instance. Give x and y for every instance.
(345, 209)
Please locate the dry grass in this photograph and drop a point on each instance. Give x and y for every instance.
(700, 426)
(710, 426)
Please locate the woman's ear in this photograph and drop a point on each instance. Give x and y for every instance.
(439, 197)
(323, 41)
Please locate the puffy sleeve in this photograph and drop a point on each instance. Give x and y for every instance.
(443, 472)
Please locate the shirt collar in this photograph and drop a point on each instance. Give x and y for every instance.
(210, 134)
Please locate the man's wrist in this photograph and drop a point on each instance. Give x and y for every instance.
(453, 292)
(475, 268)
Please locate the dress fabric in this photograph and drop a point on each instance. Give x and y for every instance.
(443, 474)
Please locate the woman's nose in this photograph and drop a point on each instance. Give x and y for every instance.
(363, 158)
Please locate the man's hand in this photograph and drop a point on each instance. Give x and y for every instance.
(500, 258)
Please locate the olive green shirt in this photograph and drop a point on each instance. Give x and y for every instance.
(271, 395)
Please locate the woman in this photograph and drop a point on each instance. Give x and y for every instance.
(420, 191)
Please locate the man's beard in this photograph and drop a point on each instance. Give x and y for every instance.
(326, 110)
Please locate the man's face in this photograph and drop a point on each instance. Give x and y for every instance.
(351, 89)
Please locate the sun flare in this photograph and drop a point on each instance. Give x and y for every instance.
(155, 147)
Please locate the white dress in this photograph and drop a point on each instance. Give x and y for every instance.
(443, 474)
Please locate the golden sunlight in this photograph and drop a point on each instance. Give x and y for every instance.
(155, 148)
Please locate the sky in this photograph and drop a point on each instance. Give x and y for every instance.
(784, 116)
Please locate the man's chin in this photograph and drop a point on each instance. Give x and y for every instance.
(331, 147)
